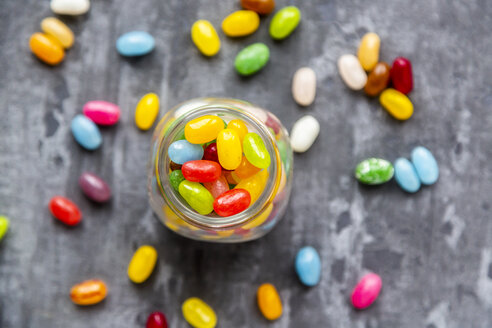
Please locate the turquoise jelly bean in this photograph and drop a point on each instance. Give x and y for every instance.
(308, 266)
(86, 132)
(425, 164)
(182, 151)
(197, 196)
(406, 175)
(135, 43)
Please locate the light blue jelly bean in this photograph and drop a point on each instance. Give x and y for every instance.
(308, 266)
(182, 151)
(425, 164)
(406, 175)
(86, 132)
(135, 43)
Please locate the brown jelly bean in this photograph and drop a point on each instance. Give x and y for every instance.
(262, 7)
(378, 79)
(174, 166)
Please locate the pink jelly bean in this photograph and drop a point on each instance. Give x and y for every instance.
(366, 291)
(217, 187)
(102, 112)
(272, 122)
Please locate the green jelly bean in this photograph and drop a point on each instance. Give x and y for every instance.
(252, 58)
(4, 226)
(197, 196)
(255, 151)
(373, 171)
(284, 150)
(175, 179)
(284, 22)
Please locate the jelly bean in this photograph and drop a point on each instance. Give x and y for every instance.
(229, 149)
(397, 104)
(201, 171)
(147, 111)
(175, 179)
(217, 187)
(401, 75)
(205, 37)
(203, 129)
(142, 264)
(304, 86)
(57, 29)
(308, 266)
(241, 23)
(135, 43)
(182, 151)
(70, 7)
(232, 202)
(378, 79)
(88, 292)
(259, 219)
(269, 301)
(273, 123)
(46, 48)
(304, 133)
(255, 151)
(374, 171)
(102, 112)
(254, 184)
(369, 51)
(425, 164)
(285, 152)
(94, 187)
(284, 22)
(198, 313)
(210, 153)
(231, 177)
(351, 72)
(65, 210)
(252, 59)
(4, 226)
(197, 196)
(366, 291)
(406, 176)
(174, 166)
(156, 320)
(262, 7)
(240, 127)
(246, 169)
(86, 132)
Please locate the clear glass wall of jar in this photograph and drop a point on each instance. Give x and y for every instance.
(262, 215)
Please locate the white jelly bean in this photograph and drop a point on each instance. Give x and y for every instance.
(304, 86)
(70, 7)
(352, 72)
(304, 133)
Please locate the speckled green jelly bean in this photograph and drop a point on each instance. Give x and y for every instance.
(197, 196)
(252, 58)
(175, 179)
(4, 226)
(373, 171)
(255, 151)
(284, 22)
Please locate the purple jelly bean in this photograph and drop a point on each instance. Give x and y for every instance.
(94, 187)
(102, 112)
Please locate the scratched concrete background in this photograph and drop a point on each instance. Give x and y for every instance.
(432, 249)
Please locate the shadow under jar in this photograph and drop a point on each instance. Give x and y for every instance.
(262, 215)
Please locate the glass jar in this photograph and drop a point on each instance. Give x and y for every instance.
(262, 215)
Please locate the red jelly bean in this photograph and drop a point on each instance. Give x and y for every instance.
(173, 166)
(232, 202)
(156, 320)
(210, 153)
(366, 291)
(201, 171)
(64, 210)
(401, 75)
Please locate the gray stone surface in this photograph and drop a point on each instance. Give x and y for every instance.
(432, 249)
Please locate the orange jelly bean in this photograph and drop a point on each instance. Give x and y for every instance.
(246, 169)
(46, 48)
(269, 302)
(239, 127)
(88, 292)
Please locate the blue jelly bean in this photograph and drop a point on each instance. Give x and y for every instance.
(308, 266)
(86, 132)
(425, 164)
(135, 43)
(182, 151)
(406, 175)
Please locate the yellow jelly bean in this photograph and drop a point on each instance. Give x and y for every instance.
(260, 219)
(240, 127)
(142, 264)
(229, 149)
(146, 111)
(241, 23)
(369, 51)
(57, 29)
(203, 129)
(205, 37)
(198, 313)
(225, 233)
(254, 184)
(269, 301)
(397, 104)
(88, 292)
(46, 48)
(4, 226)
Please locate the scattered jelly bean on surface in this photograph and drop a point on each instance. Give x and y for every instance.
(308, 266)
(262, 7)
(102, 112)
(396, 104)
(57, 29)
(406, 176)
(284, 22)
(88, 292)
(402, 75)
(252, 59)
(378, 79)
(369, 51)
(65, 210)
(304, 86)
(201, 171)
(70, 7)
(46, 48)
(366, 291)
(269, 301)
(374, 171)
(198, 313)
(156, 320)
(197, 196)
(229, 149)
(239, 127)
(241, 23)
(135, 43)
(94, 187)
(210, 153)
(4, 226)
(246, 169)
(182, 151)
(217, 187)
(203, 129)
(351, 72)
(232, 202)
(174, 166)
(255, 151)
(147, 111)
(254, 184)
(304, 133)
(205, 37)
(175, 179)
(425, 164)
(142, 264)
(86, 132)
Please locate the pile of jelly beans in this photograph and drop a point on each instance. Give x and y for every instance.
(218, 166)
(50, 45)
